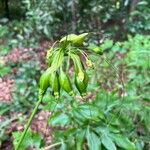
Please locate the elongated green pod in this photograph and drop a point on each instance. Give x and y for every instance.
(79, 68)
(54, 83)
(44, 81)
(68, 38)
(81, 85)
(65, 83)
(77, 62)
(76, 40)
(57, 59)
(50, 55)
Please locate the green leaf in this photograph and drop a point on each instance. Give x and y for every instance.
(108, 143)
(95, 48)
(31, 139)
(26, 142)
(147, 122)
(93, 140)
(4, 70)
(123, 142)
(3, 31)
(37, 140)
(80, 136)
(59, 119)
(4, 50)
(88, 111)
(63, 146)
(139, 145)
(107, 44)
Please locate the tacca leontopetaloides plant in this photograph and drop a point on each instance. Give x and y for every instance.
(56, 77)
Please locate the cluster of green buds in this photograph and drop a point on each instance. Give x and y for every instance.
(59, 56)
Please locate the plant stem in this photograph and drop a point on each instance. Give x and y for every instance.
(29, 122)
(53, 145)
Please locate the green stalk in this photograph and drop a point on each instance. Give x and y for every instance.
(53, 145)
(29, 122)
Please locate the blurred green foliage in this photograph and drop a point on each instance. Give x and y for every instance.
(26, 86)
(36, 20)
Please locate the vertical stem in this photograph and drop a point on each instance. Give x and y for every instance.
(29, 122)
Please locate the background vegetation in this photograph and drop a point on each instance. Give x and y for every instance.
(116, 112)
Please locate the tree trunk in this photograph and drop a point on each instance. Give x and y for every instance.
(133, 4)
(7, 9)
(73, 9)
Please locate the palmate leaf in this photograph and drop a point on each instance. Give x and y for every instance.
(110, 140)
(86, 112)
(106, 141)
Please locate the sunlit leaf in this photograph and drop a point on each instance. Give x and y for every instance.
(93, 140)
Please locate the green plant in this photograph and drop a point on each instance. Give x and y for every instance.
(130, 59)
(110, 120)
(4, 70)
(113, 122)
(65, 48)
(93, 125)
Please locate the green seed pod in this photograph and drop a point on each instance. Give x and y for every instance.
(54, 83)
(68, 38)
(44, 81)
(81, 84)
(77, 63)
(58, 58)
(50, 55)
(65, 83)
(76, 40)
(79, 68)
